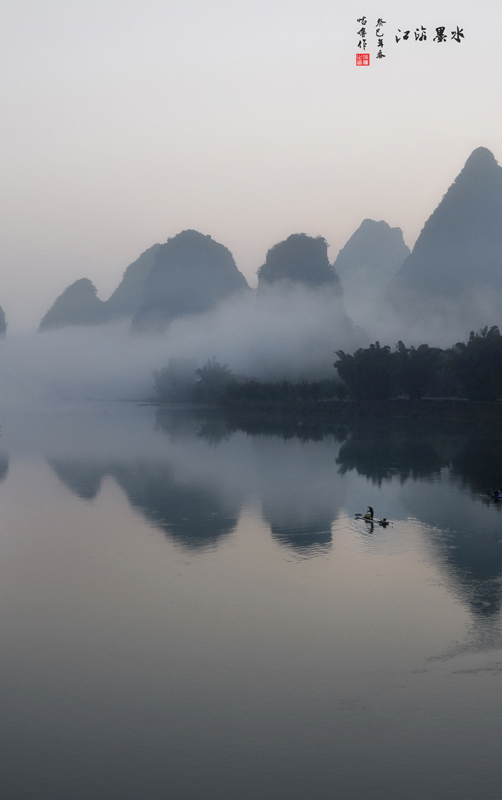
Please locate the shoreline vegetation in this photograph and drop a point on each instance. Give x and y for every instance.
(307, 416)
(460, 384)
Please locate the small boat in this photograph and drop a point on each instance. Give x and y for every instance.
(373, 520)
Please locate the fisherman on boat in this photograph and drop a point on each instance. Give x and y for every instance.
(370, 517)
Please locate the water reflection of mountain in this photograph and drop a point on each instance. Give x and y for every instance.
(309, 536)
(300, 490)
(191, 514)
(464, 535)
(293, 464)
(465, 539)
(4, 467)
(83, 478)
(475, 563)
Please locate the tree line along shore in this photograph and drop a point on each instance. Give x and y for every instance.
(374, 380)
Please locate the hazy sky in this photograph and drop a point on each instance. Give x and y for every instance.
(124, 123)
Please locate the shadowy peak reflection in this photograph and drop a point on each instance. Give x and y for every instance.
(465, 539)
(293, 460)
(81, 477)
(308, 537)
(4, 466)
(192, 514)
(473, 561)
(300, 490)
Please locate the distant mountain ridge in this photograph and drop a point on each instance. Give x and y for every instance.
(191, 274)
(299, 259)
(451, 281)
(77, 305)
(367, 263)
(187, 275)
(456, 263)
(80, 305)
(128, 296)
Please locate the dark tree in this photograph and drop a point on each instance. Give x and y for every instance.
(415, 368)
(478, 364)
(177, 381)
(369, 373)
(213, 380)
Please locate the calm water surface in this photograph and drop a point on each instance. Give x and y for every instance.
(189, 611)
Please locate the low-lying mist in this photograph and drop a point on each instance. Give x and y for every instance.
(437, 320)
(290, 333)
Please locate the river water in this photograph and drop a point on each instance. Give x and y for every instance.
(190, 610)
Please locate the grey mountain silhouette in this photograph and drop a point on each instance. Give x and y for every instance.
(3, 323)
(297, 276)
(299, 259)
(77, 305)
(128, 296)
(367, 263)
(190, 275)
(456, 264)
(80, 305)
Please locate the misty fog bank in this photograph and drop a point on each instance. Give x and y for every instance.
(288, 333)
(291, 336)
(438, 321)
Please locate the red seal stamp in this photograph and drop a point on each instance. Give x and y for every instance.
(362, 59)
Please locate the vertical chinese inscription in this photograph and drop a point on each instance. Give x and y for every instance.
(379, 35)
(362, 43)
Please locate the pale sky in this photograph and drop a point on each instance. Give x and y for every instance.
(124, 123)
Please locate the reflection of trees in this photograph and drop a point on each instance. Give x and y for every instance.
(382, 452)
(183, 424)
(192, 514)
(216, 425)
(310, 427)
(479, 463)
